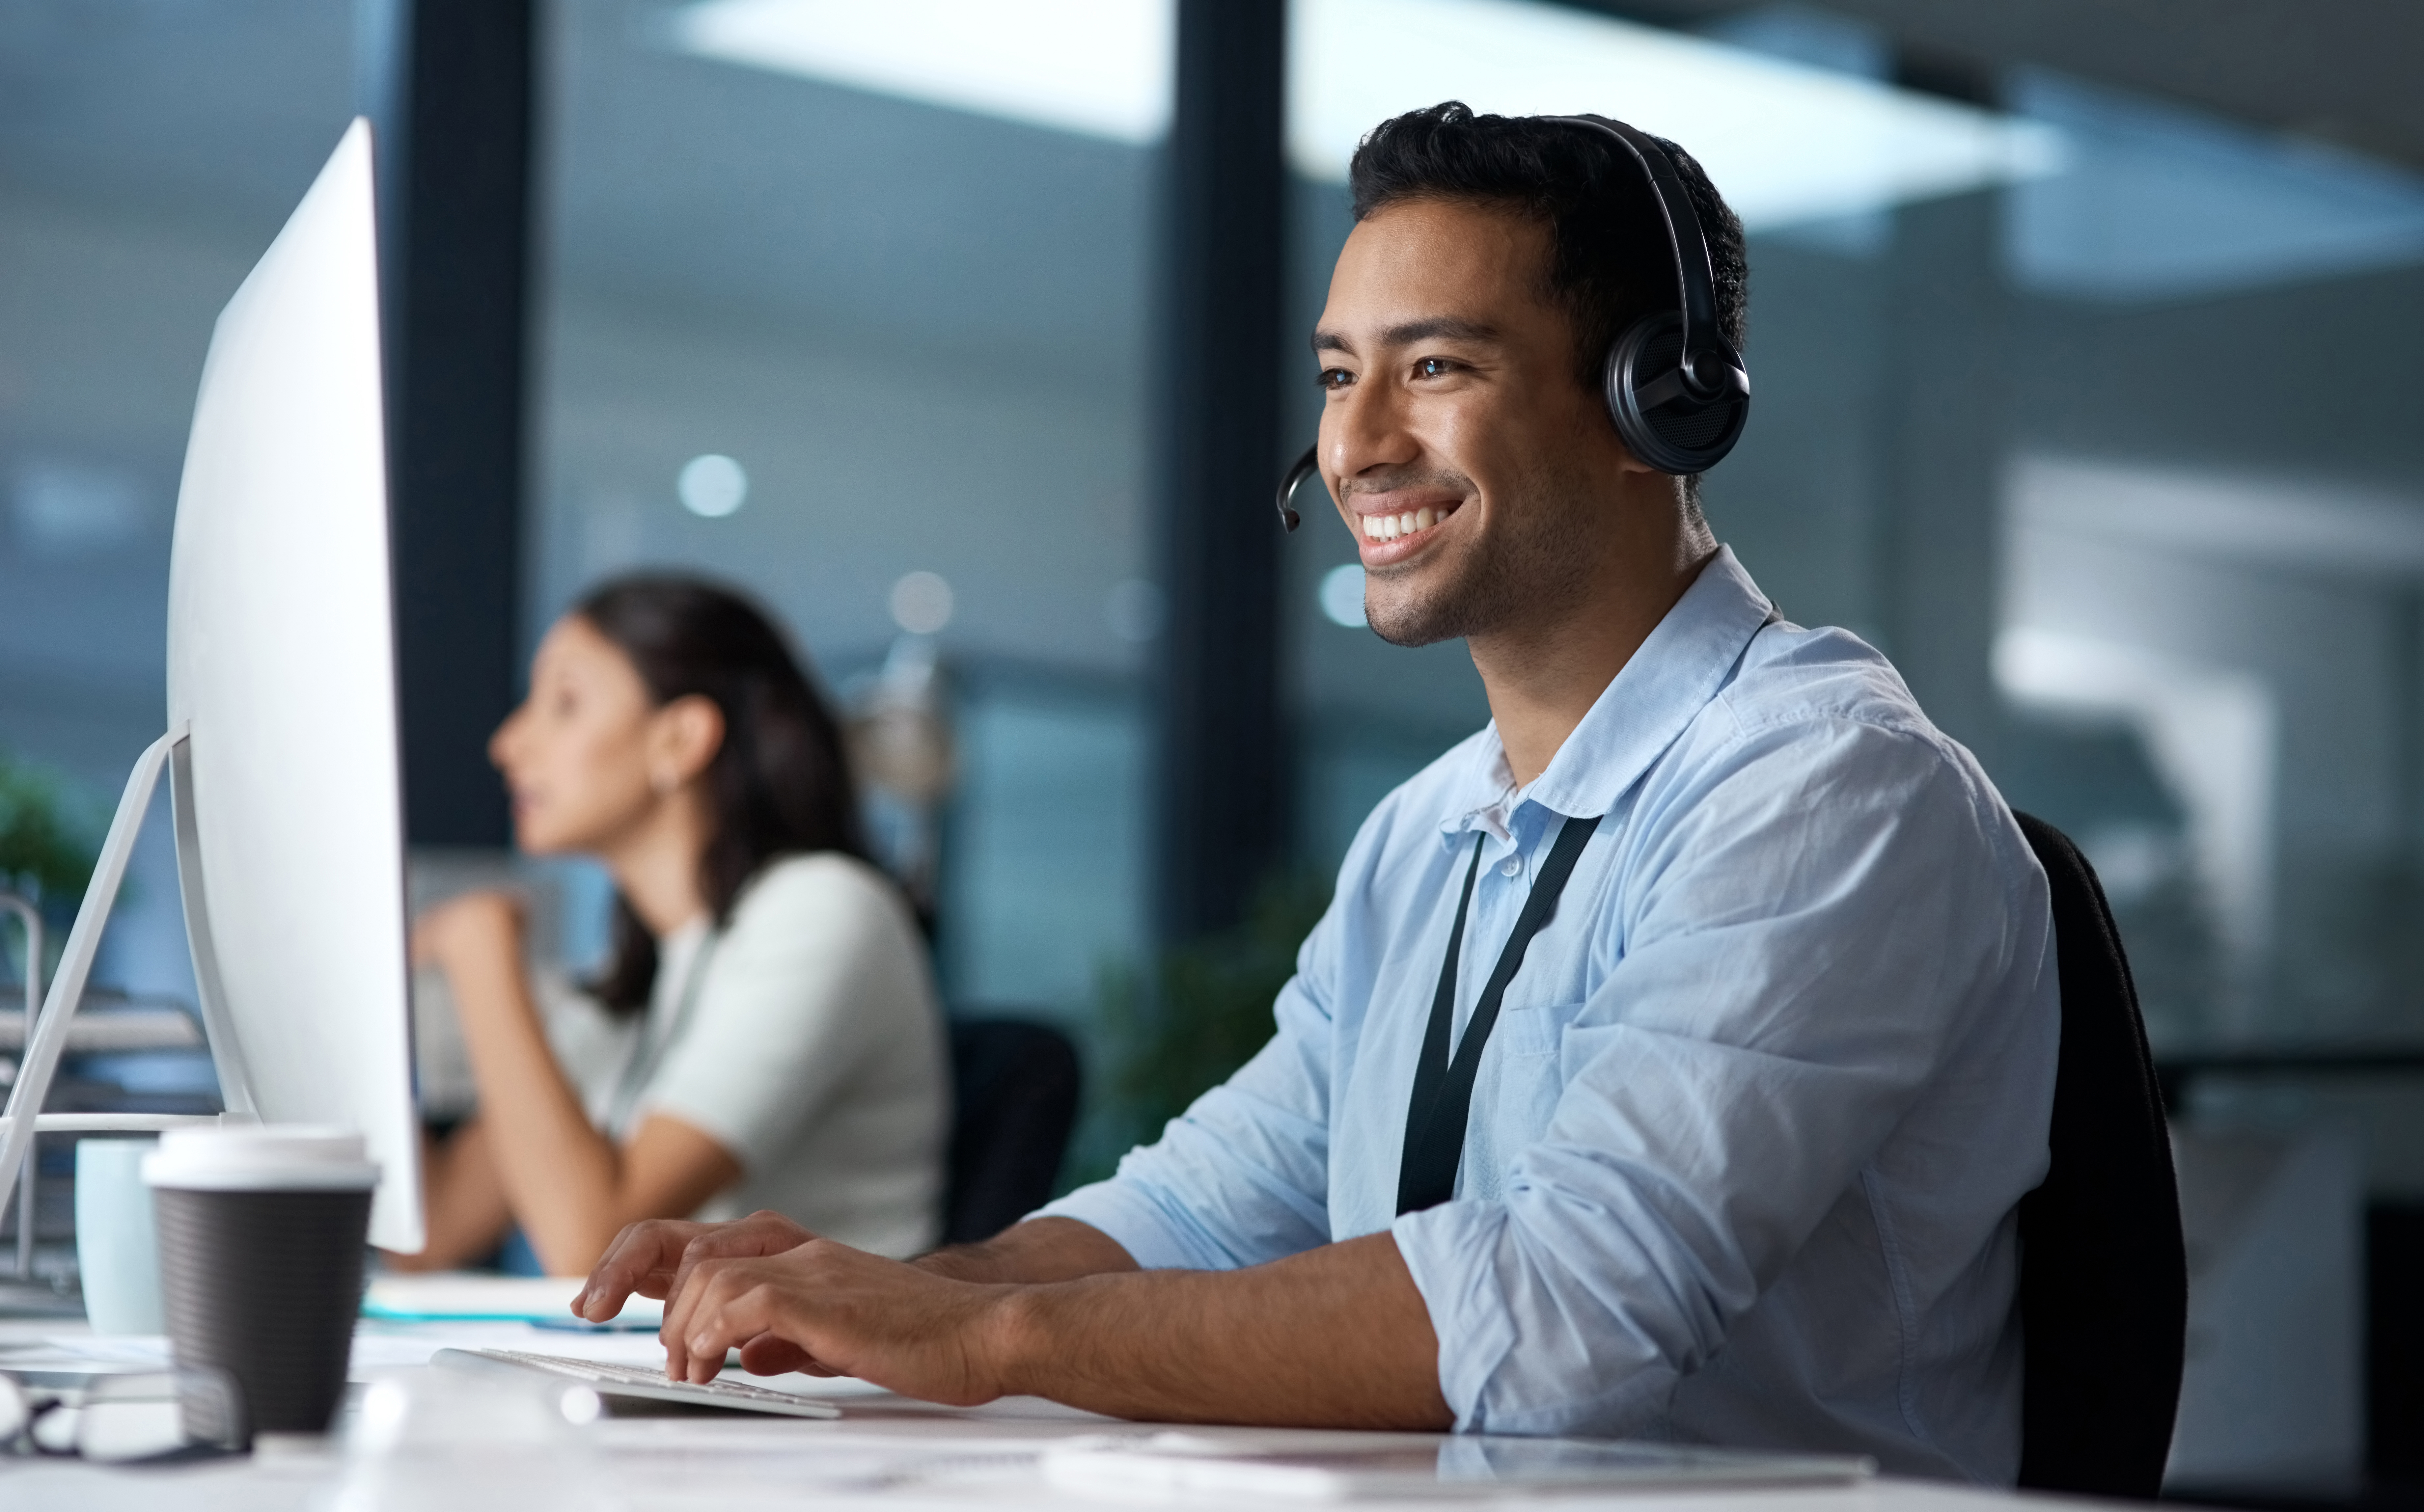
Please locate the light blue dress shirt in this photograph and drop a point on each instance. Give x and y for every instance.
(1746, 1144)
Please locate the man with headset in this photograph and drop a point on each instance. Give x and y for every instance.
(1674, 1052)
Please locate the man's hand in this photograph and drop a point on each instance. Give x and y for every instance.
(827, 1309)
(1338, 1336)
(655, 1258)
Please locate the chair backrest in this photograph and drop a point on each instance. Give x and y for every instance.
(1016, 1097)
(2104, 1288)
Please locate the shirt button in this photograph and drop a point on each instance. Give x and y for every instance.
(1510, 866)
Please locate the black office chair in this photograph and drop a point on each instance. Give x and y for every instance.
(2104, 1286)
(1016, 1097)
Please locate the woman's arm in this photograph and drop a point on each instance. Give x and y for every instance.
(463, 1205)
(570, 1187)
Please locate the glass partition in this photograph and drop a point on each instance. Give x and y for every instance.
(148, 154)
(891, 279)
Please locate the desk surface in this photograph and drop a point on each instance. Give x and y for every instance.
(886, 1449)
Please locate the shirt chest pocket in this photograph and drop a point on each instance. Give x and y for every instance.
(1522, 1089)
(1526, 1032)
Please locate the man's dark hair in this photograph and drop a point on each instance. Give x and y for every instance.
(1610, 263)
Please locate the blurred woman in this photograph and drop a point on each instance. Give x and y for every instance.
(784, 1049)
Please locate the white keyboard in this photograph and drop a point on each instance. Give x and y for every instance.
(643, 1381)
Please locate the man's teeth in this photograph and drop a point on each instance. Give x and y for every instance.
(1389, 527)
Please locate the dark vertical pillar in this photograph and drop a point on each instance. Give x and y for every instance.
(447, 85)
(1221, 765)
(1945, 399)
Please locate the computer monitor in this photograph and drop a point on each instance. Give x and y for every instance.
(283, 740)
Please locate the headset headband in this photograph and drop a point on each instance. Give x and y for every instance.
(1695, 281)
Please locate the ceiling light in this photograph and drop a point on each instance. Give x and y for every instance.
(2166, 203)
(922, 602)
(1100, 67)
(1783, 141)
(711, 487)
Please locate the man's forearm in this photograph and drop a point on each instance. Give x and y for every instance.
(1335, 1337)
(1038, 1250)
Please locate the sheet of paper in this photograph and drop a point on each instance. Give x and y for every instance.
(463, 1296)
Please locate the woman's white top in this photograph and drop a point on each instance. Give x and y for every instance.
(805, 1039)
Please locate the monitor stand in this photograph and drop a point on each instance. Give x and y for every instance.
(46, 1035)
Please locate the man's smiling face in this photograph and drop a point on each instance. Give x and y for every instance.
(1474, 472)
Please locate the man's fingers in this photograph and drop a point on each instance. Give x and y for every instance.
(699, 1288)
(759, 1233)
(771, 1354)
(640, 1259)
(735, 1306)
(683, 1300)
(654, 1257)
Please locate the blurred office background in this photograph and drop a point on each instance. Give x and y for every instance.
(969, 336)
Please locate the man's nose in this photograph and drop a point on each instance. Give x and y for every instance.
(1367, 429)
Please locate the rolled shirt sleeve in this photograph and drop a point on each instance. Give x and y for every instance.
(1243, 1175)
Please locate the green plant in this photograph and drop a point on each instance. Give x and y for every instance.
(46, 846)
(1168, 1035)
(45, 836)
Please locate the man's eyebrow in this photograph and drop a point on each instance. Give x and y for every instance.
(1452, 327)
(1434, 327)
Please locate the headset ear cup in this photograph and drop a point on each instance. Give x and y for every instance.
(1677, 436)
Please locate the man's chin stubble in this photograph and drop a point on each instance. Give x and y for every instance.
(1420, 620)
(1496, 590)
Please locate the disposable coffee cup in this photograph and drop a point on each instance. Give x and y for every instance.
(263, 1229)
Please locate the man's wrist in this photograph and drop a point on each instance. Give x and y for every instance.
(1011, 1335)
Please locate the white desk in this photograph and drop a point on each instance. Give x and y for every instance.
(888, 1449)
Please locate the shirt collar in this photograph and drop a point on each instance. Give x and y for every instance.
(1682, 664)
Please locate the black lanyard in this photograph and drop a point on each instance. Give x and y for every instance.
(1442, 1090)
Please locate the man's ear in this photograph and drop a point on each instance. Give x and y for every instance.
(1626, 462)
(684, 738)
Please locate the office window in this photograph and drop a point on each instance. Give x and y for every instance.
(847, 305)
(148, 154)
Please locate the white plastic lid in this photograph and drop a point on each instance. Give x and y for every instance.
(260, 1157)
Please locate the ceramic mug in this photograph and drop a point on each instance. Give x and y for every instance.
(117, 1245)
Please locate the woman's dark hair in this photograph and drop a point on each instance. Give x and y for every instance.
(778, 785)
(1610, 263)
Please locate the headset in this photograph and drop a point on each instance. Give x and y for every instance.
(1676, 388)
